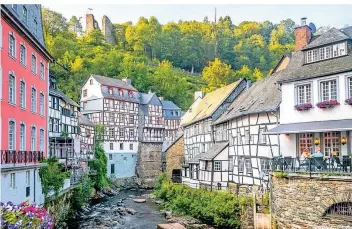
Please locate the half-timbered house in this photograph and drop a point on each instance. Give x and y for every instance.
(114, 103)
(197, 125)
(86, 133)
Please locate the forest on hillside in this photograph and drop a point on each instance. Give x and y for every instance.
(159, 57)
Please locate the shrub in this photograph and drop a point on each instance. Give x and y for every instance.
(99, 164)
(82, 193)
(220, 208)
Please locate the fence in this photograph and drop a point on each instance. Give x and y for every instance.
(21, 157)
(313, 165)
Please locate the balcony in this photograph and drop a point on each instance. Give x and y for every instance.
(21, 157)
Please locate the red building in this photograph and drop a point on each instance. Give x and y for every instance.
(24, 89)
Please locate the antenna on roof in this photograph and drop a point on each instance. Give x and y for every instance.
(312, 27)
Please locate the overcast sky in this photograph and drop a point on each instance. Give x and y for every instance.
(321, 15)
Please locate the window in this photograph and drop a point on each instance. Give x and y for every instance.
(131, 133)
(305, 142)
(309, 56)
(342, 49)
(110, 155)
(28, 178)
(85, 93)
(41, 103)
(122, 133)
(122, 117)
(328, 90)
(24, 12)
(240, 165)
(322, 53)
(23, 55)
(34, 64)
(23, 94)
(33, 138)
(231, 163)
(12, 89)
(41, 140)
(112, 168)
(331, 141)
(315, 55)
(111, 132)
(12, 135)
(327, 52)
(248, 163)
(217, 165)
(121, 146)
(111, 117)
(34, 100)
(349, 86)
(264, 165)
(91, 81)
(262, 137)
(131, 146)
(22, 137)
(13, 181)
(131, 119)
(41, 71)
(247, 137)
(304, 94)
(12, 45)
(110, 91)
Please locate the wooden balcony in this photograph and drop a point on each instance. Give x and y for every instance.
(21, 157)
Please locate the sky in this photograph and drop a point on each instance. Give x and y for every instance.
(321, 15)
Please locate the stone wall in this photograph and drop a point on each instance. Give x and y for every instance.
(91, 23)
(174, 156)
(301, 202)
(108, 30)
(148, 163)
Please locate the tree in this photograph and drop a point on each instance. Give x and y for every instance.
(94, 37)
(53, 22)
(216, 74)
(75, 25)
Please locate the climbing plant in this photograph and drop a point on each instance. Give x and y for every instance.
(82, 193)
(53, 176)
(99, 166)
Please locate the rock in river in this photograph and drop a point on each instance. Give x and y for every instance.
(139, 200)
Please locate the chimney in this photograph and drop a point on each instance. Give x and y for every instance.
(128, 81)
(198, 94)
(303, 34)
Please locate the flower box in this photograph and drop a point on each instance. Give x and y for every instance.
(328, 104)
(303, 107)
(348, 101)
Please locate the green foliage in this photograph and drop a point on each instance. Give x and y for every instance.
(219, 208)
(53, 176)
(99, 164)
(280, 174)
(251, 49)
(82, 193)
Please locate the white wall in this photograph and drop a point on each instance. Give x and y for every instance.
(288, 114)
(18, 194)
(92, 90)
(116, 147)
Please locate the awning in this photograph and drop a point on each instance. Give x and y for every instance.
(311, 127)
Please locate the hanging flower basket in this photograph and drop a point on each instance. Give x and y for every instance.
(348, 101)
(303, 107)
(328, 104)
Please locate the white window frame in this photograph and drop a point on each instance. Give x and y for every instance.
(309, 56)
(111, 132)
(23, 56)
(91, 82)
(217, 165)
(131, 133)
(33, 100)
(247, 137)
(41, 140)
(22, 94)
(12, 46)
(322, 53)
(262, 136)
(34, 67)
(22, 137)
(131, 146)
(41, 103)
(121, 146)
(328, 54)
(13, 180)
(321, 91)
(240, 164)
(248, 165)
(12, 89)
(110, 154)
(121, 133)
(33, 133)
(349, 86)
(315, 55)
(42, 70)
(306, 87)
(12, 132)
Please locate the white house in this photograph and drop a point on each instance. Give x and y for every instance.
(316, 110)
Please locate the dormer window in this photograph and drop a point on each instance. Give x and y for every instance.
(91, 81)
(327, 52)
(110, 91)
(121, 92)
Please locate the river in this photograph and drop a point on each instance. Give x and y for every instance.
(109, 213)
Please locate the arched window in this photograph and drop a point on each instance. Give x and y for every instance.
(339, 209)
(12, 135)
(33, 138)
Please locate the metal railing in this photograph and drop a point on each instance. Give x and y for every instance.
(313, 165)
(21, 157)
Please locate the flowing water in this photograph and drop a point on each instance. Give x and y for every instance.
(107, 214)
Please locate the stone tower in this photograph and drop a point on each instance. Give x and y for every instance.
(108, 30)
(91, 23)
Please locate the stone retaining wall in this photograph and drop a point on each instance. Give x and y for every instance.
(301, 202)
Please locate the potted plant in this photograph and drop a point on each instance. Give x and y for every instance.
(303, 107)
(327, 104)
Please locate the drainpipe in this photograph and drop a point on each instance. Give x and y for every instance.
(34, 183)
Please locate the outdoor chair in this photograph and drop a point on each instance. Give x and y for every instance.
(318, 163)
(287, 163)
(339, 165)
(346, 162)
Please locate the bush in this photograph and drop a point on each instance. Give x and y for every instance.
(99, 164)
(220, 208)
(82, 193)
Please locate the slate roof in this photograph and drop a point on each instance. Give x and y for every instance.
(205, 107)
(62, 95)
(331, 36)
(211, 153)
(113, 82)
(117, 96)
(178, 136)
(169, 105)
(262, 96)
(84, 120)
(145, 98)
